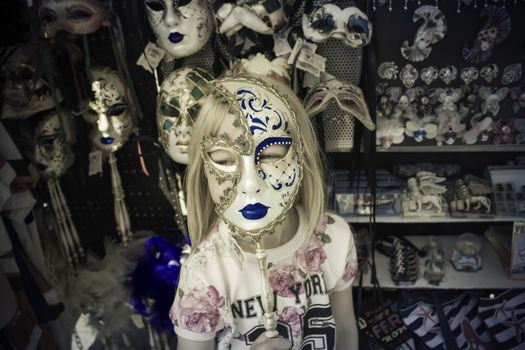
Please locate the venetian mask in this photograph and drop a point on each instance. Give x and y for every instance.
(348, 97)
(72, 16)
(330, 21)
(24, 93)
(109, 111)
(262, 16)
(178, 105)
(181, 27)
(491, 99)
(254, 163)
(52, 153)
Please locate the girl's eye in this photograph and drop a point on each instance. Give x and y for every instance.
(223, 158)
(273, 153)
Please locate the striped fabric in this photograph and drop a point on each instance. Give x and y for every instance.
(504, 316)
(461, 313)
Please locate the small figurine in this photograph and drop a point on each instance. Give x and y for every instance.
(404, 263)
(423, 195)
(466, 256)
(435, 262)
(471, 198)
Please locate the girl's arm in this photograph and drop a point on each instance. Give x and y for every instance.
(185, 344)
(345, 322)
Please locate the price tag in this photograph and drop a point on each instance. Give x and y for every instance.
(137, 321)
(281, 45)
(151, 57)
(95, 163)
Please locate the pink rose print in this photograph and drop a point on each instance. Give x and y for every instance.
(350, 270)
(199, 312)
(312, 256)
(282, 278)
(292, 316)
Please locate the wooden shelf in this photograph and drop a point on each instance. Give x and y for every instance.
(430, 219)
(492, 276)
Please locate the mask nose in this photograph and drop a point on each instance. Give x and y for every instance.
(103, 124)
(183, 133)
(250, 182)
(171, 17)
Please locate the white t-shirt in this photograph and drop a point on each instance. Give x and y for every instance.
(219, 292)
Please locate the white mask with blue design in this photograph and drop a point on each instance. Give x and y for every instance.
(109, 111)
(254, 162)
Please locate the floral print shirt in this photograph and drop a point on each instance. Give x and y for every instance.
(219, 294)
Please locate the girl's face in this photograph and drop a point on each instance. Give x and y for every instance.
(254, 164)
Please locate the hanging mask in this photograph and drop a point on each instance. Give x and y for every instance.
(448, 74)
(389, 132)
(24, 92)
(517, 94)
(262, 16)
(421, 129)
(349, 24)
(254, 164)
(429, 74)
(348, 97)
(489, 73)
(491, 100)
(448, 99)
(52, 153)
(431, 31)
(178, 105)
(495, 30)
(511, 74)
(72, 16)
(109, 111)
(181, 27)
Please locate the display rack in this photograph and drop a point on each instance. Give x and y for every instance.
(492, 275)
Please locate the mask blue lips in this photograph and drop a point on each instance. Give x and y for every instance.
(254, 211)
(107, 140)
(175, 37)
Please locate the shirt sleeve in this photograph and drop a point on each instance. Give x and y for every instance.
(196, 312)
(350, 264)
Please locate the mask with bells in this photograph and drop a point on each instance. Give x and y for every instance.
(109, 112)
(350, 25)
(52, 153)
(72, 16)
(178, 105)
(254, 162)
(181, 27)
(24, 93)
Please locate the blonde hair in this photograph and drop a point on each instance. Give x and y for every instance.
(201, 213)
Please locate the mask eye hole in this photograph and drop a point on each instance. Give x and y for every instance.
(47, 16)
(155, 6)
(117, 110)
(169, 111)
(223, 159)
(322, 21)
(273, 153)
(79, 15)
(193, 111)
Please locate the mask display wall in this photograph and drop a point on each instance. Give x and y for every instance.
(254, 165)
(181, 27)
(178, 105)
(24, 93)
(72, 16)
(110, 112)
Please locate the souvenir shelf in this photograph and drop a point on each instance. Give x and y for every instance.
(451, 149)
(447, 219)
(491, 276)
